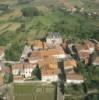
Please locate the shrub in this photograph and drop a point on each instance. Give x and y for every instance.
(30, 11)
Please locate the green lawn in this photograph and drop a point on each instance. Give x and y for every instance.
(34, 91)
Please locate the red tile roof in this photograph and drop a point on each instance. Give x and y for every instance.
(37, 43)
(17, 66)
(84, 54)
(46, 53)
(22, 66)
(6, 70)
(18, 78)
(74, 76)
(69, 63)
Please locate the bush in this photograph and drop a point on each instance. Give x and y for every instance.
(23, 1)
(3, 7)
(8, 78)
(30, 11)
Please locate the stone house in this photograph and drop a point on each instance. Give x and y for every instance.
(23, 70)
(53, 39)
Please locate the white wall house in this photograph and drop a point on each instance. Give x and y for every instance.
(74, 81)
(15, 71)
(53, 39)
(28, 70)
(26, 51)
(23, 69)
(49, 78)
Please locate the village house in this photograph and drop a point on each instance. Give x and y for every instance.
(27, 50)
(53, 39)
(17, 69)
(38, 45)
(49, 67)
(48, 71)
(22, 70)
(85, 49)
(39, 55)
(74, 78)
(69, 65)
(72, 9)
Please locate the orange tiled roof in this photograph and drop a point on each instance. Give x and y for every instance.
(83, 54)
(18, 78)
(22, 66)
(6, 69)
(37, 43)
(79, 46)
(16, 66)
(74, 76)
(48, 67)
(85, 46)
(68, 63)
(48, 72)
(35, 54)
(47, 53)
(28, 65)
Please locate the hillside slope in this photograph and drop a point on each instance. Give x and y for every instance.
(14, 25)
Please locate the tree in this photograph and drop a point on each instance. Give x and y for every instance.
(8, 76)
(30, 11)
(43, 39)
(23, 1)
(36, 72)
(14, 51)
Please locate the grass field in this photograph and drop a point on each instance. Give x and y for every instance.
(34, 91)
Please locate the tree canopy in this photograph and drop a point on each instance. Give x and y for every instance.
(37, 73)
(14, 51)
(30, 11)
